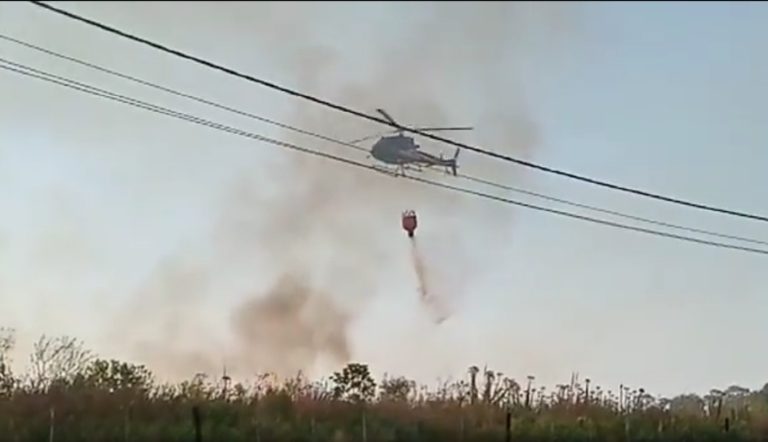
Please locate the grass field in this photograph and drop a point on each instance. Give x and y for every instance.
(69, 395)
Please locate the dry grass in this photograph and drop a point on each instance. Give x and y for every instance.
(99, 401)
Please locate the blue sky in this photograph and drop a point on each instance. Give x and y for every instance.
(99, 199)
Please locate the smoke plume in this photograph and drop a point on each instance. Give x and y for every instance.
(290, 329)
(338, 222)
(429, 298)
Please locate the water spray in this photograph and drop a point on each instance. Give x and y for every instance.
(409, 225)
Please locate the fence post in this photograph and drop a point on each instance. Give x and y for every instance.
(626, 429)
(509, 426)
(52, 422)
(196, 420)
(127, 428)
(313, 436)
(365, 429)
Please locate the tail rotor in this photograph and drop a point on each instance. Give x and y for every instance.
(454, 163)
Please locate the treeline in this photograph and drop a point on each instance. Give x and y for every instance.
(68, 394)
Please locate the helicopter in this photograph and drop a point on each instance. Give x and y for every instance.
(403, 152)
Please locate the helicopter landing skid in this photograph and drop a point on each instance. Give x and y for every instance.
(392, 171)
(397, 171)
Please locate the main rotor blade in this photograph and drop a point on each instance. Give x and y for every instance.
(435, 129)
(369, 137)
(386, 115)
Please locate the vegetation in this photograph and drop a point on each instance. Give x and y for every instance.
(68, 394)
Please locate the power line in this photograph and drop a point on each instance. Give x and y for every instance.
(62, 81)
(175, 92)
(611, 212)
(82, 87)
(348, 144)
(397, 126)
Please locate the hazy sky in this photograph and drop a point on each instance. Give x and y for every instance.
(143, 235)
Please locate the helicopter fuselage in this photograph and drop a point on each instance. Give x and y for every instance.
(400, 150)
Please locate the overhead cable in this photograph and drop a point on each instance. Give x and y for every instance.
(35, 73)
(348, 110)
(356, 147)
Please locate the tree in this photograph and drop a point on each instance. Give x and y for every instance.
(396, 389)
(715, 402)
(513, 391)
(7, 343)
(489, 378)
(497, 388)
(688, 404)
(59, 361)
(736, 396)
(354, 383)
(198, 388)
(114, 376)
(528, 391)
(473, 370)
